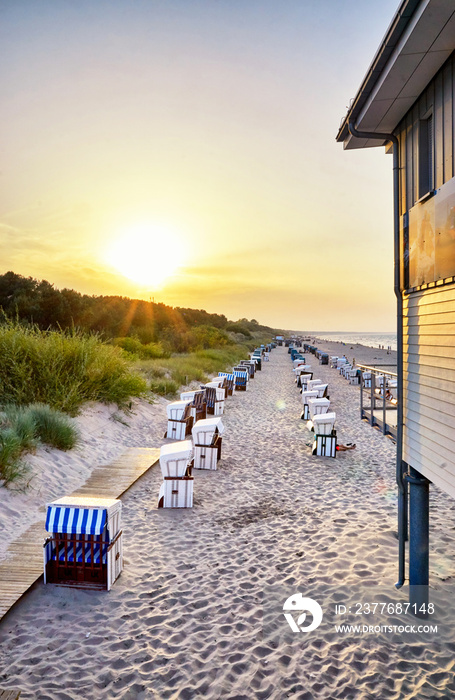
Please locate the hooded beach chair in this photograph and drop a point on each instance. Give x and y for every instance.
(311, 384)
(306, 396)
(207, 442)
(317, 406)
(241, 378)
(179, 419)
(250, 365)
(322, 390)
(303, 379)
(84, 548)
(176, 463)
(229, 377)
(214, 399)
(197, 404)
(366, 379)
(354, 376)
(325, 437)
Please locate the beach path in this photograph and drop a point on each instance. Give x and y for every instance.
(24, 562)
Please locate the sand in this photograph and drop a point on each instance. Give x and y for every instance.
(185, 619)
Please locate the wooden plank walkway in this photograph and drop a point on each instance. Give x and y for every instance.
(9, 694)
(24, 564)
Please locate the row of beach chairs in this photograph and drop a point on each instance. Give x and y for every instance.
(382, 385)
(316, 405)
(195, 423)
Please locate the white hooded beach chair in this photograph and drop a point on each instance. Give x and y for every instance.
(324, 423)
(366, 378)
(214, 397)
(325, 437)
(345, 370)
(306, 396)
(84, 548)
(297, 363)
(179, 419)
(176, 462)
(207, 442)
(341, 361)
(317, 406)
(311, 384)
(197, 405)
(229, 379)
(303, 379)
(321, 389)
(333, 361)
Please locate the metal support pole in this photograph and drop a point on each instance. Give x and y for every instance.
(361, 394)
(419, 559)
(373, 386)
(384, 430)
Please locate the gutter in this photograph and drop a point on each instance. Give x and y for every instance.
(391, 39)
(400, 465)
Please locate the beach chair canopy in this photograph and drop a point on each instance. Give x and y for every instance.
(176, 409)
(324, 422)
(82, 515)
(72, 521)
(204, 430)
(174, 458)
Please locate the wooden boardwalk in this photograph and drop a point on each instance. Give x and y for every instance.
(24, 563)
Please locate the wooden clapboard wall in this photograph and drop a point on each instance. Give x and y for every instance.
(429, 384)
(429, 313)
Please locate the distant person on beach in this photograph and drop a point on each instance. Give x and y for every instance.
(348, 446)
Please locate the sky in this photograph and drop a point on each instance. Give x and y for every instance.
(184, 151)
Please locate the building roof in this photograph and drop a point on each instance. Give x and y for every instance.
(418, 41)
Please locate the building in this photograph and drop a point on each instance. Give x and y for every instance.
(406, 103)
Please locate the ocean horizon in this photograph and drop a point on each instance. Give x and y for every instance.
(370, 339)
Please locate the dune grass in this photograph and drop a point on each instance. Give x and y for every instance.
(23, 428)
(166, 376)
(62, 369)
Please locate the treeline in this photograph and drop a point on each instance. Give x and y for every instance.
(174, 329)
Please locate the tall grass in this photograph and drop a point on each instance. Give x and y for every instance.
(23, 428)
(62, 369)
(137, 349)
(167, 376)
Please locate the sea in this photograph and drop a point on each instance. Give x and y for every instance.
(373, 340)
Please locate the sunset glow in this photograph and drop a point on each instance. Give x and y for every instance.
(190, 148)
(146, 254)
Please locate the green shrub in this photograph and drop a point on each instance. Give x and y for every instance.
(53, 427)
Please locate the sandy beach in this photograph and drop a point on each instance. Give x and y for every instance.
(188, 616)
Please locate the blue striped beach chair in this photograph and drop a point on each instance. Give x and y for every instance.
(241, 378)
(229, 376)
(84, 548)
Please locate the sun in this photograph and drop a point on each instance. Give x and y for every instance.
(147, 254)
